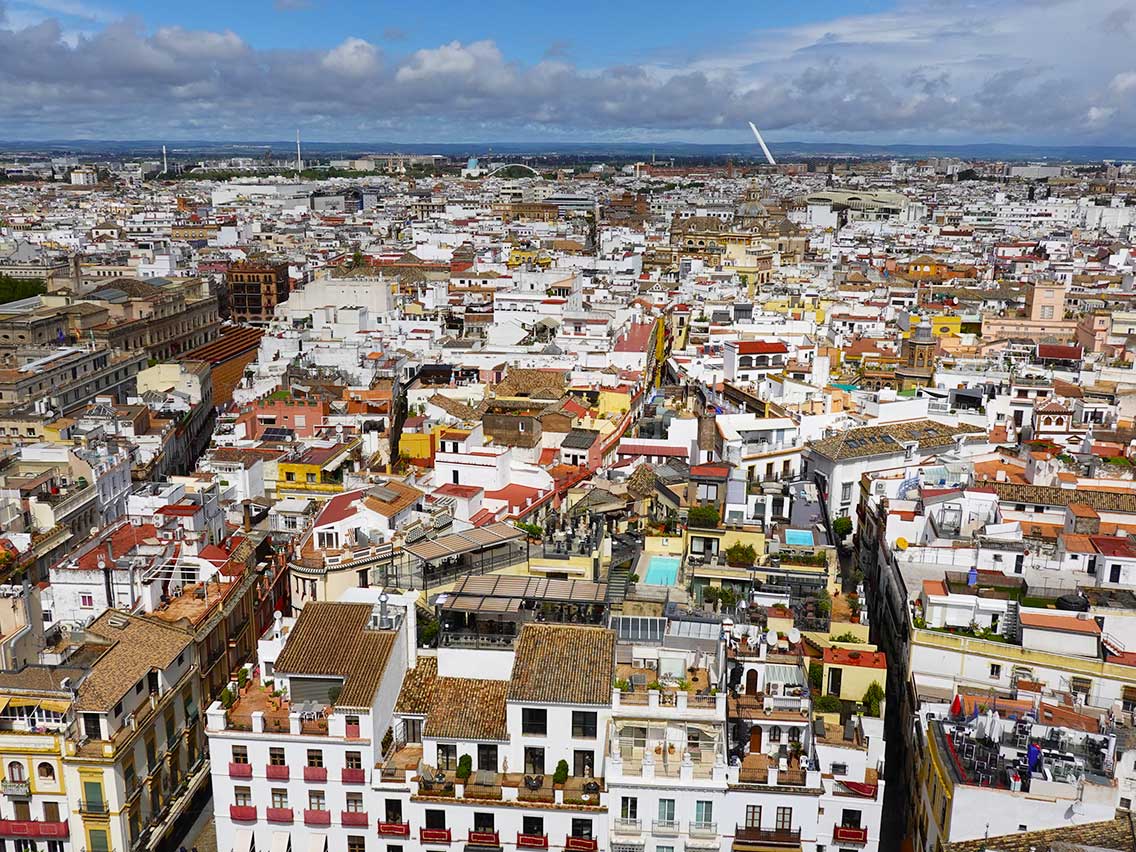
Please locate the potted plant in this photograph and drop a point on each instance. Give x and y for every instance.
(561, 773)
(465, 767)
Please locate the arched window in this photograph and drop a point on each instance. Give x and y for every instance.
(775, 734)
(46, 771)
(16, 771)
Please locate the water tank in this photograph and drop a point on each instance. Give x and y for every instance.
(1072, 603)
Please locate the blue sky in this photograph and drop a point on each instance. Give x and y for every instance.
(947, 71)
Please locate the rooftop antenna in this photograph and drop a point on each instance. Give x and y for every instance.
(298, 160)
(761, 142)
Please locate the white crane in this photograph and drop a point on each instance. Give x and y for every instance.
(761, 142)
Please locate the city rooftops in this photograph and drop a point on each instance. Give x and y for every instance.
(337, 639)
(855, 657)
(563, 664)
(891, 439)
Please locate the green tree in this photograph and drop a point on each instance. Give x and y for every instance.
(14, 289)
(561, 773)
(873, 699)
(827, 704)
(816, 675)
(842, 527)
(703, 516)
(465, 767)
(741, 554)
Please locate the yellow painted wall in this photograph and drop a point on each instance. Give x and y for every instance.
(854, 680)
(415, 445)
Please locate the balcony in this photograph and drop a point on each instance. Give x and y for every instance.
(276, 773)
(483, 838)
(773, 836)
(532, 841)
(15, 788)
(94, 807)
(316, 774)
(581, 844)
(354, 776)
(664, 826)
(242, 813)
(628, 826)
(434, 835)
(317, 818)
(33, 828)
(240, 770)
(354, 818)
(849, 834)
(394, 829)
(278, 815)
(703, 829)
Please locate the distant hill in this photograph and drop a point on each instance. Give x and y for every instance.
(788, 151)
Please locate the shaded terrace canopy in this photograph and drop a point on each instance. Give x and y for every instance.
(468, 541)
(498, 593)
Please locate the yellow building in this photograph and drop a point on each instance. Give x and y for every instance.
(317, 472)
(849, 669)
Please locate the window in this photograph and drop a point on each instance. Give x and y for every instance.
(279, 797)
(995, 671)
(584, 724)
(629, 808)
(242, 796)
(1125, 804)
(447, 756)
(784, 819)
(16, 771)
(317, 801)
(328, 539)
(435, 819)
(483, 821)
(534, 760)
(357, 843)
(87, 601)
(487, 757)
(1081, 686)
(704, 812)
(315, 758)
(840, 769)
(846, 492)
(582, 763)
(46, 771)
(276, 756)
(850, 818)
(353, 760)
(666, 810)
(753, 816)
(354, 803)
(534, 721)
(240, 754)
(533, 826)
(582, 828)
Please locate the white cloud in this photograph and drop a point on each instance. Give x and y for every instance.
(1123, 82)
(353, 58)
(453, 59)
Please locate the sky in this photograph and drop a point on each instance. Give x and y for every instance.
(875, 71)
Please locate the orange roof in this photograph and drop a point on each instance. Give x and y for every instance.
(1083, 510)
(1064, 623)
(935, 587)
(1077, 543)
(853, 657)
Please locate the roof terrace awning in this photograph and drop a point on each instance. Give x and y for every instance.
(455, 544)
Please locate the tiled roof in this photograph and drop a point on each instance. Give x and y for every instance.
(563, 664)
(1048, 495)
(137, 647)
(335, 639)
(889, 439)
(417, 693)
(467, 709)
(1113, 834)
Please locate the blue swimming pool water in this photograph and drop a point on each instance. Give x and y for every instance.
(662, 570)
(799, 537)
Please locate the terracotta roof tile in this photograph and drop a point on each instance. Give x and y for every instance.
(563, 664)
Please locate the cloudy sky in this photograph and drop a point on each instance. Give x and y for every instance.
(924, 71)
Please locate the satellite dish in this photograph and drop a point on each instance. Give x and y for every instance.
(901, 543)
(794, 636)
(771, 638)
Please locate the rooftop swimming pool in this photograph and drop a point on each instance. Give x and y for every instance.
(799, 537)
(662, 570)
